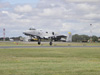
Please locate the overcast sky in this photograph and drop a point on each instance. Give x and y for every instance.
(61, 16)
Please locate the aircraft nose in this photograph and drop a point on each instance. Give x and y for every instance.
(26, 32)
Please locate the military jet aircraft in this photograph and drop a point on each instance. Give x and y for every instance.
(39, 34)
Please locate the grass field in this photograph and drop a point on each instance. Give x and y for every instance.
(47, 44)
(50, 61)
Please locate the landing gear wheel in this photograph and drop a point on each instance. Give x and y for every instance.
(50, 43)
(39, 43)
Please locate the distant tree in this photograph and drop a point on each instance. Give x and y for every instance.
(75, 38)
(6, 38)
(84, 37)
(94, 38)
(80, 38)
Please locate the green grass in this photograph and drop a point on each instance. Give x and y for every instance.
(50, 61)
(47, 44)
(17, 44)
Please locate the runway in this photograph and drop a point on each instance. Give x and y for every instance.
(9, 47)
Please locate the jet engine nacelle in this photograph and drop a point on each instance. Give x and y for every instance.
(45, 37)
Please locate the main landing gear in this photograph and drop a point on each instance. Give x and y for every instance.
(50, 42)
(39, 41)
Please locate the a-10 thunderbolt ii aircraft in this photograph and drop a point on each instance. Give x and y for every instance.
(39, 34)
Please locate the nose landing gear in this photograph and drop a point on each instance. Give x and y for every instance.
(50, 43)
(39, 41)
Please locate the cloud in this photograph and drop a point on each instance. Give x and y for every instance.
(23, 8)
(92, 16)
(86, 7)
(68, 27)
(82, 0)
(54, 12)
(79, 28)
(3, 5)
(12, 15)
(53, 15)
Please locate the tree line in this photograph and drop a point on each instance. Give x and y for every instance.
(84, 38)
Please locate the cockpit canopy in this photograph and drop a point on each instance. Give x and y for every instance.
(32, 29)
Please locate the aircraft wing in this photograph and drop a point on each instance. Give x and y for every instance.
(31, 35)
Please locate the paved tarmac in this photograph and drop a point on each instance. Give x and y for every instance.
(9, 47)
